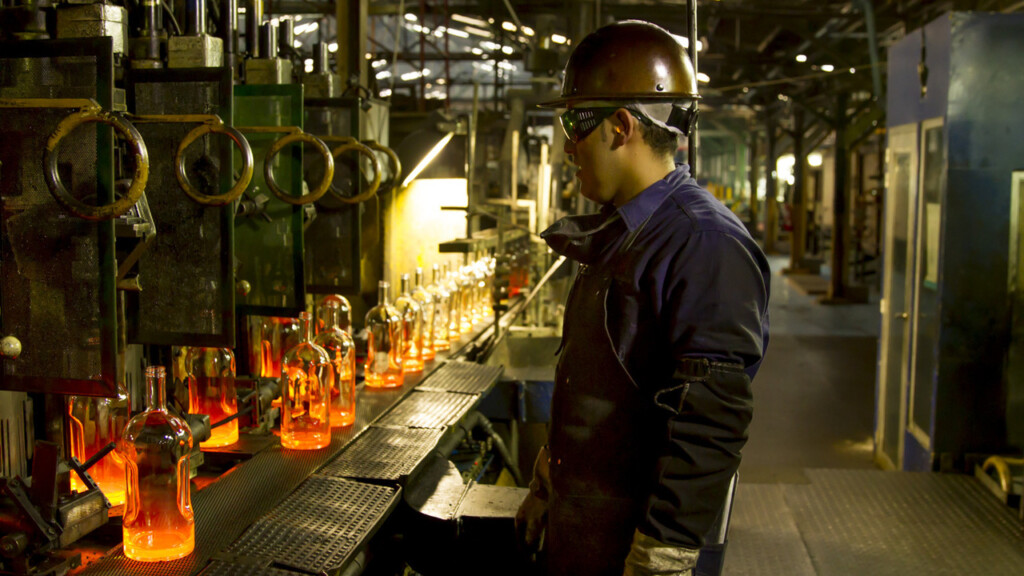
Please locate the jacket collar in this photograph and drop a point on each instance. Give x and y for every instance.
(591, 238)
(638, 210)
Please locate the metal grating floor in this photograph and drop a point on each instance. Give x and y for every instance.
(319, 525)
(218, 568)
(384, 453)
(872, 522)
(429, 410)
(464, 377)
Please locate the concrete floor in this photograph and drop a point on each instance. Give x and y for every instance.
(810, 500)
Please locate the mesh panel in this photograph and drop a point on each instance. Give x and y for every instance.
(319, 525)
(429, 410)
(225, 569)
(465, 377)
(384, 453)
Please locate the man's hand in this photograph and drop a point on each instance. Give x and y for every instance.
(649, 557)
(532, 517)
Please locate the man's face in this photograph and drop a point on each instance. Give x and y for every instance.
(595, 162)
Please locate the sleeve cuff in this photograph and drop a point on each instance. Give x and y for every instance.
(650, 557)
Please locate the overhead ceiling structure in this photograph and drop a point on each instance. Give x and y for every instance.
(753, 53)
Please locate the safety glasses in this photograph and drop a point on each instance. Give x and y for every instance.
(578, 123)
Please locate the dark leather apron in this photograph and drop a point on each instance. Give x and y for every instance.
(601, 435)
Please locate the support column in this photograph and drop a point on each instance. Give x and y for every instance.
(351, 21)
(753, 177)
(840, 224)
(771, 205)
(798, 239)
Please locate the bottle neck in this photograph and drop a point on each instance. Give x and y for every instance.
(306, 326)
(405, 284)
(156, 391)
(382, 293)
(331, 314)
(419, 277)
(437, 274)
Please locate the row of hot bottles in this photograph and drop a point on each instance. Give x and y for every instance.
(149, 470)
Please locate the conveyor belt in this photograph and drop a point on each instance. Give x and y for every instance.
(384, 454)
(429, 410)
(464, 377)
(236, 501)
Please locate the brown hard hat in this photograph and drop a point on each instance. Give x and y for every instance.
(628, 60)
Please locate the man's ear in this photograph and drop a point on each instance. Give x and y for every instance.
(624, 125)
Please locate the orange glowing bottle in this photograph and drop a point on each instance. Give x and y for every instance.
(307, 377)
(210, 373)
(442, 301)
(158, 521)
(426, 302)
(92, 424)
(455, 304)
(342, 351)
(384, 343)
(412, 328)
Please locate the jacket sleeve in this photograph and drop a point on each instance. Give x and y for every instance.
(715, 309)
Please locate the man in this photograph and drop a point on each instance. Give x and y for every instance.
(665, 325)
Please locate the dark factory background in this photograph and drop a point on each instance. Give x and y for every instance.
(208, 205)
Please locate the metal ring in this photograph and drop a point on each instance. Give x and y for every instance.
(60, 193)
(374, 164)
(275, 149)
(396, 164)
(247, 165)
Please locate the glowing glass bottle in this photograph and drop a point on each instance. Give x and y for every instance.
(384, 329)
(344, 312)
(307, 377)
(412, 328)
(456, 302)
(92, 424)
(479, 278)
(210, 373)
(341, 350)
(442, 300)
(158, 522)
(470, 306)
(426, 302)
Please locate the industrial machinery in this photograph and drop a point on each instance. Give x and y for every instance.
(949, 385)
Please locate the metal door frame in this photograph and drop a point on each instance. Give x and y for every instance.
(922, 436)
(903, 139)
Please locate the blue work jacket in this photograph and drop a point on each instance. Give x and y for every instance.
(688, 286)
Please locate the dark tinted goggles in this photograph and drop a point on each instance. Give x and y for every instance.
(578, 123)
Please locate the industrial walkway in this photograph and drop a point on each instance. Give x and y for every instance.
(811, 502)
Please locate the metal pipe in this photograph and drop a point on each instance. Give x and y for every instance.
(465, 427)
(321, 59)
(286, 35)
(268, 41)
(253, 20)
(691, 147)
(876, 72)
(195, 17)
(229, 29)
